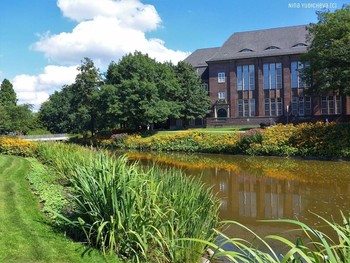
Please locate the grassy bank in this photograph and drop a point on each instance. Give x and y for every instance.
(25, 234)
(330, 140)
(130, 212)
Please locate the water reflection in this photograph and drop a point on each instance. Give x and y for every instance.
(258, 188)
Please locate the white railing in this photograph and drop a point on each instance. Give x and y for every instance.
(46, 137)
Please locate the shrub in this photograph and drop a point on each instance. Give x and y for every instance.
(16, 146)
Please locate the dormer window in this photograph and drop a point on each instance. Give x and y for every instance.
(272, 48)
(246, 50)
(300, 45)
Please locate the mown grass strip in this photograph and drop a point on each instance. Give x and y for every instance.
(25, 235)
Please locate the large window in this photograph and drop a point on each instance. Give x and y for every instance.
(273, 107)
(296, 68)
(272, 75)
(221, 77)
(245, 77)
(246, 107)
(331, 105)
(301, 106)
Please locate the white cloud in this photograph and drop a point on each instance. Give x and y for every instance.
(35, 89)
(106, 30)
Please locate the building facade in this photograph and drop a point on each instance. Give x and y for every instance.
(254, 78)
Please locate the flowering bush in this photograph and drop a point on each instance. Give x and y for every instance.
(16, 146)
(119, 139)
(306, 139)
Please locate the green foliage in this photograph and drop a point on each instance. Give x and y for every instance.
(193, 99)
(308, 139)
(316, 247)
(7, 94)
(83, 104)
(26, 235)
(329, 53)
(51, 194)
(56, 113)
(124, 209)
(146, 90)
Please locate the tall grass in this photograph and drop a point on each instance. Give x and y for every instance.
(139, 214)
(315, 247)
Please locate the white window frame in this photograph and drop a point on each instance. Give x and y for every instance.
(295, 75)
(273, 106)
(273, 75)
(331, 105)
(221, 77)
(222, 95)
(246, 77)
(246, 107)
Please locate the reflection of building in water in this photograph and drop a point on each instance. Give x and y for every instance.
(251, 197)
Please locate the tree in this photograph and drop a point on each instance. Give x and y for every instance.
(108, 111)
(7, 94)
(87, 84)
(194, 99)
(329, 53)
(145, 89)
(56, 113)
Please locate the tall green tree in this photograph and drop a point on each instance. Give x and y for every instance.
(8, 96)
(329, 53)
(144, 88)
(56, 113)
(193, 99)
(108, 110)
(87, 84)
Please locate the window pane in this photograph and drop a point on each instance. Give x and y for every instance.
(239, 78)
(267, 107)
(246, 108)
(273, 107)
(273, 76)
(324, 105)
(279, 107)
(252, 107)
(278, 75)
(266, 76)
(301, 106)
(307, 105)
(245, 77)
(330, 105)
(338, 105)
(294, 75)
(240, 108)
(295, 104)
(251, 77)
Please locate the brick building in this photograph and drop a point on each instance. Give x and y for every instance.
(254, 78)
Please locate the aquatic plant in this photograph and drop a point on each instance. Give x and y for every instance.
(139, 214)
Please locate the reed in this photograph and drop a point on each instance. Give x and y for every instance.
(141, 214)
(315, 247)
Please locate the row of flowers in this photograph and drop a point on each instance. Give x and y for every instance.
(307, 139)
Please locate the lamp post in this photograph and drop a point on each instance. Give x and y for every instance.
(287, 114)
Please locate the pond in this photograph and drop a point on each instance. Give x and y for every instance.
(258, 188)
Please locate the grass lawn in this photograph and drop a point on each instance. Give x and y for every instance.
(212, 129)
(25, 235)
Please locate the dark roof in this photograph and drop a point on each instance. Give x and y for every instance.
(199, 57)
(262, 43)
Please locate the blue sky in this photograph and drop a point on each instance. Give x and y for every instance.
(43, 41)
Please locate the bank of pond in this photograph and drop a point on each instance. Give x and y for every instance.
(328, 140)
(145, 212)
